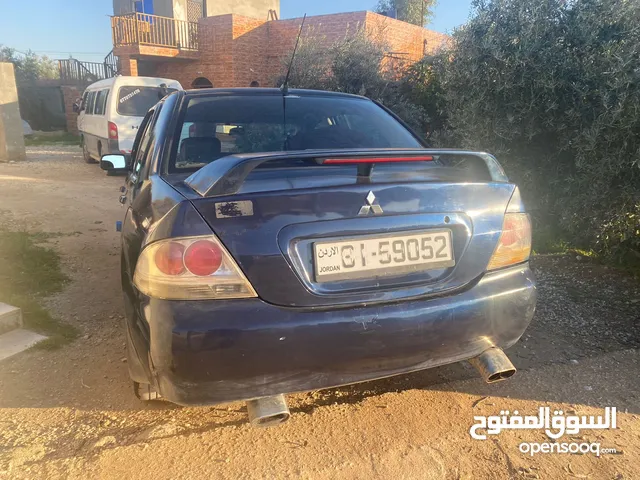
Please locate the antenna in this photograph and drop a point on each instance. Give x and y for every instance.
(285, 86)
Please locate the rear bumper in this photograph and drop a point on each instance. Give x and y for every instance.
(207, 352)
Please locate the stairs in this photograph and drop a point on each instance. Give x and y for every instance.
(13, 338)
(74, 71)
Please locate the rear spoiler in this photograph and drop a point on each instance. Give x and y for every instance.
(226, 175)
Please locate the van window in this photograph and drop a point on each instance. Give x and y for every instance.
(83, 106)
(136, 101)
(101, 101)
(91, 101)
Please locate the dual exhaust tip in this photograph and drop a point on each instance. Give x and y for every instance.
(492, 364)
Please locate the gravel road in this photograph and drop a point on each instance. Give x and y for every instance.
(71, 413)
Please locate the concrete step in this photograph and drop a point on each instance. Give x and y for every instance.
(10, 318)
(16, 341)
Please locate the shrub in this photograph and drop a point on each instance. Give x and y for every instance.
(553, 89)
(358, 65)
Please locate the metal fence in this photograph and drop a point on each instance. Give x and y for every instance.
(75, 71)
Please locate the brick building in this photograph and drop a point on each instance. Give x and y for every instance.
(231, 44)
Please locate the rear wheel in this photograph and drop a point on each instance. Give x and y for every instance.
(85, 153)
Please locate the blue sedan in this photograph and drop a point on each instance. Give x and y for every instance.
(285, 241)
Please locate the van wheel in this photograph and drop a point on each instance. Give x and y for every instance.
(85, 154)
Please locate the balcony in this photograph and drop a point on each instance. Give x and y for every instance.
(141, 34)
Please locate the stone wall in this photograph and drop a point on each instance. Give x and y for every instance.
(11, 132)
(70, 95)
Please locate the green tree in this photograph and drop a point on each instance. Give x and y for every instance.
(418, 12)
(355, 64)
(553, 89)
(29, 66)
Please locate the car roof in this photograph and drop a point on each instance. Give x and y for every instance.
(258, 91)
(123, 80)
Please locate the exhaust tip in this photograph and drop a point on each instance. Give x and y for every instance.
(268, 411)
(496, 377)
(271, 421)
(493, 365)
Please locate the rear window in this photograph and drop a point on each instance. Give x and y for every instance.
(215, 127)
(136, 101)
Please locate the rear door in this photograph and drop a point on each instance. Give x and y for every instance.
(89, 122)
(99, 121)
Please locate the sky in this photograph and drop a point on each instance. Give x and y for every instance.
(81, 28)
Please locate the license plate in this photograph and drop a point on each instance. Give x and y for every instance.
(381, 255)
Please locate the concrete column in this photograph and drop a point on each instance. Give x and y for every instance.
(180, 9)
(11, 132)
(128, 66)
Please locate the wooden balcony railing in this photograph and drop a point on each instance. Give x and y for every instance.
(144, 29)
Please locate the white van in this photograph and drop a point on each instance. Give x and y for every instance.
(111, 112)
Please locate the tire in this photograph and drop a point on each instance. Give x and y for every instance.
(86, 156)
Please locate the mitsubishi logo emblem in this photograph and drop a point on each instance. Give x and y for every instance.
(370, 206)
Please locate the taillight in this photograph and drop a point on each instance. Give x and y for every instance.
(348, 161)
(168, 258)
(203, 258)
(190, 268)
(113, 131)
(514, 245)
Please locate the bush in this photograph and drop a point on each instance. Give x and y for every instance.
(553, 89)
(358, 65)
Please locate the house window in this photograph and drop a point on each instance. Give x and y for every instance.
(143, 6)
(195, 10)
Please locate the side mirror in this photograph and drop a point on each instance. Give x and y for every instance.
(114, 162)
(76, 108)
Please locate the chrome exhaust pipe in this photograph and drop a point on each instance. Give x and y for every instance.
(493, 365)
(268, 411)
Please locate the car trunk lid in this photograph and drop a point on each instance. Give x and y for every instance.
(273, 221)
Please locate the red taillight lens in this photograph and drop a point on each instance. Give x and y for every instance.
(169, 258)
(203, 258)
(347, 161)
(113, 131)
(190, 268)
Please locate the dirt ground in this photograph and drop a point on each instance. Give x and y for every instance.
(71, 413)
